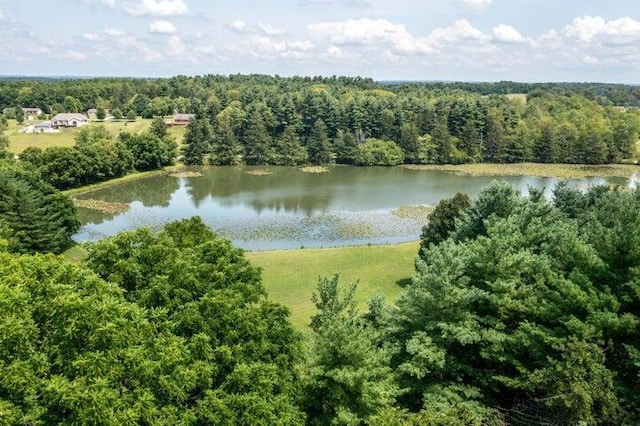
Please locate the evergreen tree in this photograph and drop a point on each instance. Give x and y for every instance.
(226, 148)
(470, 140)
(442, 141)
(409, 142)
(347, 379)
(197, 141)
(346, 148)
(495, 141)
(318, 145)
(257, 142)
(289, 150)
(159, 128)
(545, 147)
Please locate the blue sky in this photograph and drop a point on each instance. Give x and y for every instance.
(467, 40)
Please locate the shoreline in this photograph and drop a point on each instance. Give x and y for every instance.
(550, 170)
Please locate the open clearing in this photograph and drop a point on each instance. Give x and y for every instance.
(291, 276)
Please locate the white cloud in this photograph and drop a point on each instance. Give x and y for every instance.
(114, 32)
(91, 36)
(158, 8)
(75, 55)
(238, 26)
(358, 4)
(241, 27)
(590, 29)
(476, 4)
(270, 30)
(507, 34)
(369, 32)
(269, 48)
(162, 27)
(1, 14)
(460, 30)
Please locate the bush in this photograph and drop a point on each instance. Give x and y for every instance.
(377, 152)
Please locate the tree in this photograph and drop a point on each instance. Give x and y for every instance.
(442, 220)
(289, 150)
(508, 322)
(19, 115)
(376, 152)
(442, 141)
(318, 145)
(226, 148)
(4, 145)
(348, 378)
(101, 113)
(495, 141)
(159, 128)
(149, 151)
(197, 141)
(131, 115)
(257, 142)
(35, 216)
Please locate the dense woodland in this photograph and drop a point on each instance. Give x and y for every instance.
(289, 121)
(522, 311)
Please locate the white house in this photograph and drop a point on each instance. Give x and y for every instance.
(69, 120)
(31, 113)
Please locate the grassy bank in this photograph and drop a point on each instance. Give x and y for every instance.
(128, 178)
(535, 169)
(291, 276)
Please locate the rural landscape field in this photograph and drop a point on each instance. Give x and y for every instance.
(320, 212)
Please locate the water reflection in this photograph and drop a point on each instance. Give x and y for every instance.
(288, 208)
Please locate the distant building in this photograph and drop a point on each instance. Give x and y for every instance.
(31, 113)
(69, 120)
(44, 127)
(180, 119)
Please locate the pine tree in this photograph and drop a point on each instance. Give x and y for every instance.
(226, 148)
(197, 141)
(289, 150)
(257, 142)
(318, 144)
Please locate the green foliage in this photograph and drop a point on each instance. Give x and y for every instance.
(257, 142)
(526, 313)
(442, 220)
(149, 151)
(289, 150)
(375, 152)
(347, 378)
(174, 329)
(318, 145)
(34, 216)
(197, 141)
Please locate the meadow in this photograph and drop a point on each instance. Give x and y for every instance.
(18, 142)
(291, 276)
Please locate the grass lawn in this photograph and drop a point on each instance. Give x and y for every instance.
(19, 142)
(291, 276)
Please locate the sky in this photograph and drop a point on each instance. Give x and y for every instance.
(452, 40)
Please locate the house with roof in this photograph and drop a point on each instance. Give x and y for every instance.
(69, 119)
(180, 119)
(31, 113)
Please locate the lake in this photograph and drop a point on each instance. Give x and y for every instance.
(288, 208)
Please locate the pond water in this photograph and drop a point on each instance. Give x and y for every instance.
(290, 208)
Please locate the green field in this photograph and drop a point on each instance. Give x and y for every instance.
(19, 142)
(291, 276)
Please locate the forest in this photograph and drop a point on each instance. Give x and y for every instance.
(256, 119)
(521, 311)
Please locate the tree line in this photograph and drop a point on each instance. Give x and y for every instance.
(522, 310)
(98, 155)
(258, 119)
